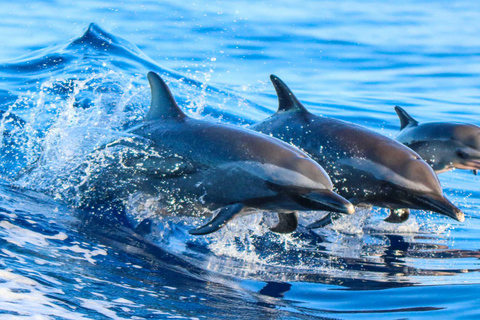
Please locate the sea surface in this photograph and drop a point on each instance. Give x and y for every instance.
(73, 77)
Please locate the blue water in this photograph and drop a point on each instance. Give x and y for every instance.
(349, 60)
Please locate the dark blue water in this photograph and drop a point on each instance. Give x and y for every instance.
(66, 90)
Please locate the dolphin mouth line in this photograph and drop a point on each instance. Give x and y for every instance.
(324, 201)
(442, 206)
(316, 199)
(469, 165)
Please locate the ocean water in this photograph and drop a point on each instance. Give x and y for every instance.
(68, 86)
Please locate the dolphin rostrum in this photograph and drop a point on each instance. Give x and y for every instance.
(365, 167)
(444, 145)
(219, 167)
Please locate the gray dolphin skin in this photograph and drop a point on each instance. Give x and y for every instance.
(444, 145)
(365, 167)
(220, 167)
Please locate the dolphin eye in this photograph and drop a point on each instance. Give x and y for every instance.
(462, 154)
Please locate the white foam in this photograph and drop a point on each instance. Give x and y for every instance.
(21, 236)
(87, 254)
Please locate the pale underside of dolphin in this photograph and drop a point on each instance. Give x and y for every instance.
(444, 145)
(217, 167)
(365, 167)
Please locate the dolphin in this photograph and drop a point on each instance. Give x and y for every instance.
(443, 145)
(218, 167)
(365, 167)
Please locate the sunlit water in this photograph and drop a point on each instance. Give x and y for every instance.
(66, 93)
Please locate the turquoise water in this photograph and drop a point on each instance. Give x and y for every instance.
(76, 87)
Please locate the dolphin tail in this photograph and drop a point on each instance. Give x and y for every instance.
(223, 216)
(287, 223)
(475, 171)
(325, 221)
(398, 216)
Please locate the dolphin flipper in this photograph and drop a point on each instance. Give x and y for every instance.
(223, 216)
(405, 119)
(398, 216)
(287, 223)
(325, 221)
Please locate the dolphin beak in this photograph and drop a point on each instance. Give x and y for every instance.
(441, 205)
(471, 164)
(325, 200)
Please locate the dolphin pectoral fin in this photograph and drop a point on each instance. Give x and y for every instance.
(287, 223)
(398, 216)
(475, 171)
(223, 216)
(325, 221)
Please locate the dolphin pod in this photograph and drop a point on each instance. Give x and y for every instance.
(220, 167)
(365, 167)
(444, 145)
(195, 166)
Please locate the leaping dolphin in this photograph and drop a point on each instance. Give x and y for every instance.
(365, 167)
(444, 145)
(218, 167)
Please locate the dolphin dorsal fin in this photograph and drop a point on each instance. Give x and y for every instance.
(405, 119)
(286, 99)
(163, 105)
